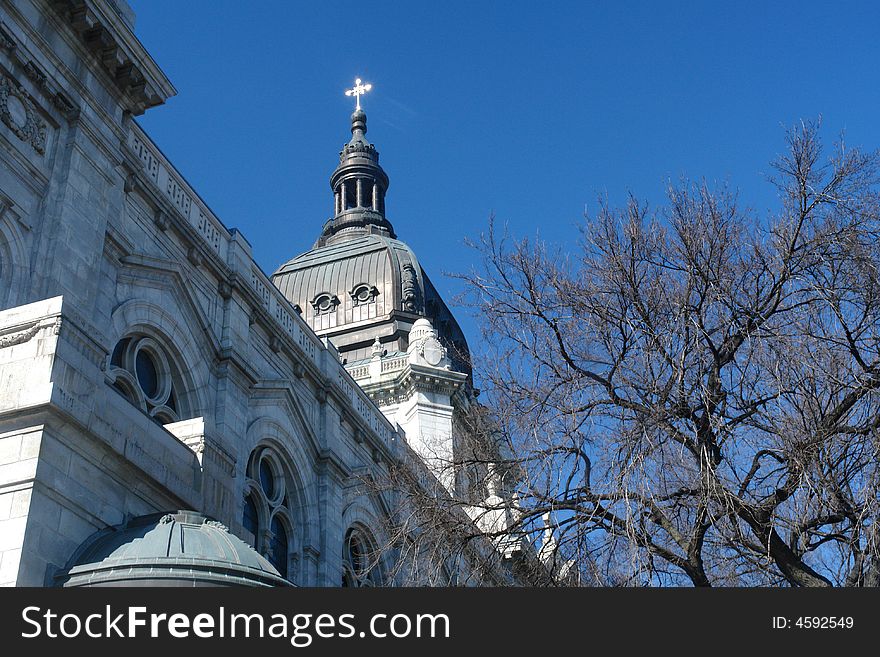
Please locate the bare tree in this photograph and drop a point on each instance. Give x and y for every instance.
(693, 395)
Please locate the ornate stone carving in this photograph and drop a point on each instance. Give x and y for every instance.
(19, 337)
(34, 73)
(65, 106)
(410, 288)
(18, 112)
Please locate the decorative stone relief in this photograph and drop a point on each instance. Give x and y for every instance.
(34, 73)
(18, 112)
(410, 288)
(19, 337)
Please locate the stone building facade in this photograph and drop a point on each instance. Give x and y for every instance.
(148, 365)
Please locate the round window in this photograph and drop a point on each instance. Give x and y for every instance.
(147, 373)
(267, 479)
(143, 373)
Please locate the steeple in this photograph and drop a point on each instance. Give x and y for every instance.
(359, 185)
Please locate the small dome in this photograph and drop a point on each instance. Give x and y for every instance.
(421, 328)
(184, 548)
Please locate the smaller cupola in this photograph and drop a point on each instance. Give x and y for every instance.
(359, 184)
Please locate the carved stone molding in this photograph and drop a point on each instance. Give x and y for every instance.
(6, 41)
(35, 73)
(18, 112)
(19, 337)
(118, 52)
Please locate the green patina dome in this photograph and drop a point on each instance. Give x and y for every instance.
(184, 548)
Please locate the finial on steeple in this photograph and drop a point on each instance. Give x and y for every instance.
(357, 91)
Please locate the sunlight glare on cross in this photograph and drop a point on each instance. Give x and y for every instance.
(358, 91)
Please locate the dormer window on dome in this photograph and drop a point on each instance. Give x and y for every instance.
(324, 303)
(363, 293)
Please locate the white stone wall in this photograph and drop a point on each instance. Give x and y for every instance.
(100, 238)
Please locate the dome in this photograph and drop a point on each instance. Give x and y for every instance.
(366, 287)
(421, 329)
(360, 286)
(184, 548)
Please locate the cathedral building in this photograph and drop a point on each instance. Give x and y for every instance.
(169, 414)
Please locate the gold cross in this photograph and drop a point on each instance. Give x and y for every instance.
(358, 91)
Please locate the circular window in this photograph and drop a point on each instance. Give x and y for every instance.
(359, 567)
(325, 303)
(362, 294)
(143, 373)
(147, 373)
(267, 479)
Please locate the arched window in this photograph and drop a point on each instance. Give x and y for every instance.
(359, 560)
(279, 546)
(267, 512)
(144, 373)
(10, 260)
(251, 519)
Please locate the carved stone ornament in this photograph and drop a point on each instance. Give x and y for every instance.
(432, 351)
(410, 288)
(19, 114)
(19, 337)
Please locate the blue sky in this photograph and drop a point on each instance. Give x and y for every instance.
(525, 109)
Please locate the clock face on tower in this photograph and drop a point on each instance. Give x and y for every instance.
(432, 351)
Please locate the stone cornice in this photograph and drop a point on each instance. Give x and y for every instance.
(410, 379)
(141, 83)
